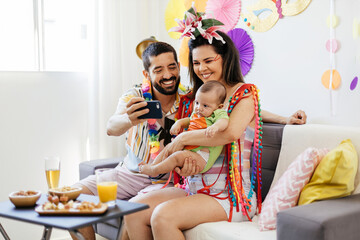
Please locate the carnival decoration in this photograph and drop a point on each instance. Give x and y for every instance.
(353, 83)
(245, 47)
(199, 4)
(184, 52)
(174, 9)
(274, 10)
(331, 78)
(226, 11)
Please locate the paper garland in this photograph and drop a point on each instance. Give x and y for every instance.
(353, 83)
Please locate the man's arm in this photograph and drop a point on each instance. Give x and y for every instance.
(299, 117)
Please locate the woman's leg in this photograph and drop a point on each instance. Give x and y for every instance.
(170, 218)
(137, 225)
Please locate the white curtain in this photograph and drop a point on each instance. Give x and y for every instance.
(119, 26)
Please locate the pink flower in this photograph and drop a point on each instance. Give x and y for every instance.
(211, 32)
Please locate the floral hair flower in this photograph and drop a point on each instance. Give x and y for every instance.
(196, 24)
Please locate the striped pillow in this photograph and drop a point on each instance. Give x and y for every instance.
(286, 191)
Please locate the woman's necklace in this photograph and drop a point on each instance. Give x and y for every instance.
(153, 133)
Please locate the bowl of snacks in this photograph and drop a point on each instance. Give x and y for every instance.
(67, 193)
(24, 198)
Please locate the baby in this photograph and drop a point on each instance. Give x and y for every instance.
(207, 114)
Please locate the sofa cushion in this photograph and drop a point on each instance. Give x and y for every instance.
(228, 230)
(286, 191)
(296, 138)
(334, 177)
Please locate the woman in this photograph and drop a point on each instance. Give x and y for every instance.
(171, 210)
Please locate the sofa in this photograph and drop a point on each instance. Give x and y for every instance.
(322, 220)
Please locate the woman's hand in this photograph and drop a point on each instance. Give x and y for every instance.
(189, 168)
(174, 146)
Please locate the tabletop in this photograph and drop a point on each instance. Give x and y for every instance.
(8, 210)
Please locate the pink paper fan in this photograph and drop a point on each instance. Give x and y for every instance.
(245, 47)
(226, 11)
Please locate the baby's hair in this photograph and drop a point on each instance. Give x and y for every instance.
(218, 87)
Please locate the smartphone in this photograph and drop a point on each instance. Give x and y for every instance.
(155, 110)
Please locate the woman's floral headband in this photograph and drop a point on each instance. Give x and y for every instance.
(195, 24)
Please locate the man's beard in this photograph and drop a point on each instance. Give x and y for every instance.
(164, 90)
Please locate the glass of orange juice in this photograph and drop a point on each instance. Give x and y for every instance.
(52, 171)
(106, 186)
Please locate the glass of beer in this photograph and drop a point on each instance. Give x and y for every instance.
(106, 186)
(52, 171)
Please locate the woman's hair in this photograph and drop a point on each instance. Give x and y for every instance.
(215, 86)
(154, 50)
(231, 72)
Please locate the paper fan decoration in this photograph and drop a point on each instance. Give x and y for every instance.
(245, 47)
(199, 4)
(184, 52)
(174, 9)
(226, 11)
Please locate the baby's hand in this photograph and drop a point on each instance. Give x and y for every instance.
(175, 129)
(210, 131)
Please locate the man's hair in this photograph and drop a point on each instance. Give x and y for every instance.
(231, 72)
(216, 86)
(154, 50)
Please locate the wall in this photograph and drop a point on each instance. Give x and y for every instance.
(291, 57)
(42, 114)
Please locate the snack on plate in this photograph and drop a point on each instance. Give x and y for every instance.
(25, 193)
(56, 203)
(88, 206)
(64, 189)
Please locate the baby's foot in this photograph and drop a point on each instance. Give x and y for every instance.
(146, 169)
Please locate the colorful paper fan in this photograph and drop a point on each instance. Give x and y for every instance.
(199, 4)
(226, 11)
(245, 47)
(174, 9)
(184, 52)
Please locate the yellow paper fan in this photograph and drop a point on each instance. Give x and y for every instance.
(200, 5)
(184, 52)
(174, 9)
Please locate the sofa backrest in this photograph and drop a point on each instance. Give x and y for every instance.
(272, 138)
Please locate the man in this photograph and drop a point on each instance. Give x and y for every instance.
(162, 70)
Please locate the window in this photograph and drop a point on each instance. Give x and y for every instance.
(45, 35)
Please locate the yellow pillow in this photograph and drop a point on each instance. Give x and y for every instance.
(334, 176)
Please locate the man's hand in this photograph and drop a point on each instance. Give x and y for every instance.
(299, 117)
(134, 104)
(189, 168)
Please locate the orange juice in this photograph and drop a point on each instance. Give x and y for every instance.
(52, 178)
(107, 191)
